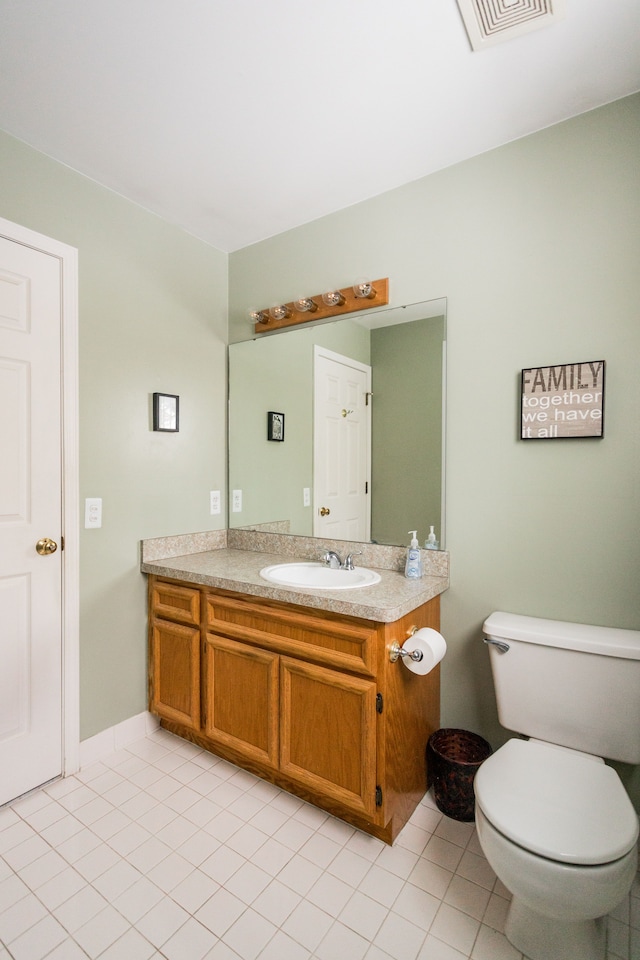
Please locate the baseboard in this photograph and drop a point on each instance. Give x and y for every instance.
(115, 738)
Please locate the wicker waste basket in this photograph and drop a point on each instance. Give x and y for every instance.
(453, 758)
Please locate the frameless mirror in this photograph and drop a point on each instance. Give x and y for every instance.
(277, 484)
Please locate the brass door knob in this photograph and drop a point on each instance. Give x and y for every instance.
(324, 511)
(46, 546)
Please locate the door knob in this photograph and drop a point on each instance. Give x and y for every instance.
(46, 546)
(324, 511)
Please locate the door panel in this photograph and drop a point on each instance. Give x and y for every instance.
(14, 430)
(242, 699)
(175, 680)
(328, 733)
(14, 692)
(30, 509)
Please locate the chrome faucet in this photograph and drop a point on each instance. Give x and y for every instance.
(332, 559)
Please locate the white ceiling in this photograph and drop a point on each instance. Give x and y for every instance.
(238, 119)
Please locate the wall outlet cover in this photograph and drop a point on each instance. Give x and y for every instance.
(92, 513)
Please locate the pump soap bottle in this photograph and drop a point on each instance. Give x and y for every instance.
(431, 543)
(413, 566)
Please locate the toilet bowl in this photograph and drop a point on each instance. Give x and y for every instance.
(558, 829)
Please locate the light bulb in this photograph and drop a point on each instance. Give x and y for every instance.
(280, 311)
(258, 316)
(305, 305)
(363, 289)
(333, 298)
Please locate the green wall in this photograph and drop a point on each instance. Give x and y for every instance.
(536, 247)
(152, 317)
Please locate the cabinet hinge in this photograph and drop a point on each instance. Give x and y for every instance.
(378, 796)
(366, 486)
(379, 703)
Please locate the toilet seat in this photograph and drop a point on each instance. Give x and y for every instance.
(556, 803)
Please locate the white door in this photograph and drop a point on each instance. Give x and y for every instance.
(342, 448)
(31, 725)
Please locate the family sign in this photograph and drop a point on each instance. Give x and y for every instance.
(563, 401)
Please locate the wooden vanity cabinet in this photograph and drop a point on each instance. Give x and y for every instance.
(304, 698)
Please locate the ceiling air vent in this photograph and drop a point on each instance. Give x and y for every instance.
(491, 21)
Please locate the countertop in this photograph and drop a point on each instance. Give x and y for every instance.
(239, 571)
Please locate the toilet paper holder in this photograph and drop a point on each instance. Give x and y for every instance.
(397, 653)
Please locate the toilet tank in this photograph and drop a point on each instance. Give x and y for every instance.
(568, 683)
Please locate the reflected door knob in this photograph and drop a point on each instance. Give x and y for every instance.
(324, 511)
(46, 546)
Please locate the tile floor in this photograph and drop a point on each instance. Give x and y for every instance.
(165, 851)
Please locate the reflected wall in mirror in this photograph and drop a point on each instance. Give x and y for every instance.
(405, 348)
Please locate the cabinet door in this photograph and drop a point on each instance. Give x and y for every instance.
(175, 672)
(242, 699)
(328, 733)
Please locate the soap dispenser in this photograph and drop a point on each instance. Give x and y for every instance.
(431, 543)
(413, 566)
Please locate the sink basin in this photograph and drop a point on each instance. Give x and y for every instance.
(318, 576)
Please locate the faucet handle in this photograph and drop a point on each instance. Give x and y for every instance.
(349, 564)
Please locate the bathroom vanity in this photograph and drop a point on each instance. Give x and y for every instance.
(297, 687)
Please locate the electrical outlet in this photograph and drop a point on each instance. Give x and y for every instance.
(215, 505)
(93, 513)
(306, 497)
(236, 501)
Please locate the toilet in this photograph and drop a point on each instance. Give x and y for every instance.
(553, 820)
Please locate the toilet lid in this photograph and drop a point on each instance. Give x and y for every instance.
(556, 803)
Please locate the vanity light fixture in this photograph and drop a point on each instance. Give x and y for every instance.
(326, 306)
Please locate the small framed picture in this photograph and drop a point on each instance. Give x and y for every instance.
(275, 426)
(565, 401)
(166, 412)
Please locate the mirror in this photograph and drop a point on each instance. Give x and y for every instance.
(271, 484)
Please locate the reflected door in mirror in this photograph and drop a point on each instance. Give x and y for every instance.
(342, 460)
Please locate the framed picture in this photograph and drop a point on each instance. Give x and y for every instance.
(275, 426)
(166, 412)
(565, 401)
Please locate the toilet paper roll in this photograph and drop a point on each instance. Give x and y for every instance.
(431, 644)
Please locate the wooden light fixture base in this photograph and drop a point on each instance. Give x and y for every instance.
(351, 305)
